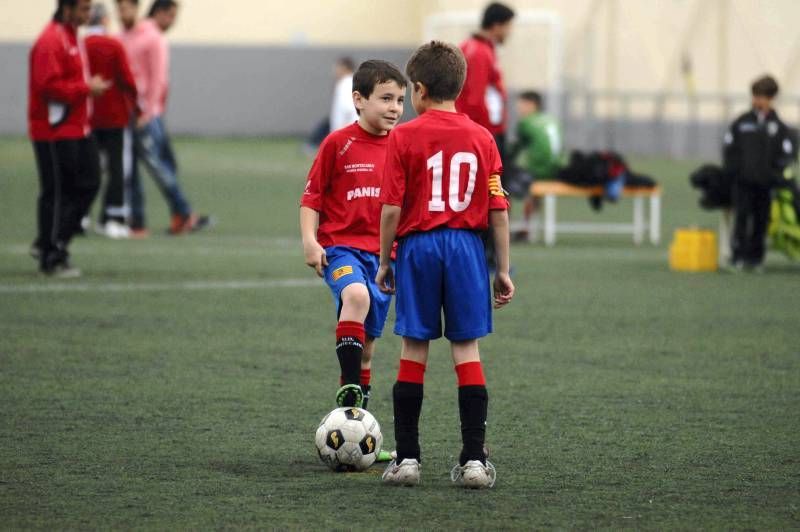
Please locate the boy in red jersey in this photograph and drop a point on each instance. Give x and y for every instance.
(441, 188)
(339, 217)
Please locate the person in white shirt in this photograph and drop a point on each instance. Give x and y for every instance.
(343, 112)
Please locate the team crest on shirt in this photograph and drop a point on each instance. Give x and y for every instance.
(772, 128)
(338, 273)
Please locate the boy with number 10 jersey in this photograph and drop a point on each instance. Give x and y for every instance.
(441, 188)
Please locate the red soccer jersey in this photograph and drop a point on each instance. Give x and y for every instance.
(438, 169)
(344, 187)
(112, 109)
(58, 95)
(483, 86)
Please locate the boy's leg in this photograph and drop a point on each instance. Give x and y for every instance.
(407, 395)
(473, 469)
(762, 200)
(740, 240)
(350, 341)
(473, 400)
(366, 369)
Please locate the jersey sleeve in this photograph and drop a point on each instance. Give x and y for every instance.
(319, 176)
(393, 184)
(497, 194)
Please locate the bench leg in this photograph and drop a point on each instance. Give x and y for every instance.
(638, 220)
(549, 220)
(725, 231)
(655, 219)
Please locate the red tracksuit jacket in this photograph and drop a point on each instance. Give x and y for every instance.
(483, 72)
(111, 110)
(58, 95)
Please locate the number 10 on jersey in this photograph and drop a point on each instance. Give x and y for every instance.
(435, 164)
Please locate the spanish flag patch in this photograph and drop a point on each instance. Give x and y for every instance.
(496, 187)
(338, 273)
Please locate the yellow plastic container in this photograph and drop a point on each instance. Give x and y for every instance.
(693, 250)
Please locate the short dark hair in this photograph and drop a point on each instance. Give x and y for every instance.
(373, 72)
(134, 2)
(441, 67)
(58, 16)
(765, 86)
(347, 62)
(161, 5)
(496, 13)
(533, 96)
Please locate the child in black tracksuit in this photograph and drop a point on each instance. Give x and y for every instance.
(757, 149)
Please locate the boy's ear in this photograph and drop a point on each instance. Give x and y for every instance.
(421, 89)
(358, 100)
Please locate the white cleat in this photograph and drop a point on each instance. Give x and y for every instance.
(474, 475)
(406, 473)
(114, 230)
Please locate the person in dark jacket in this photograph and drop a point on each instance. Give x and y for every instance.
(757, 149)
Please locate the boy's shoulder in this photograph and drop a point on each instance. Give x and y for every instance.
(338, 143)
(431, 122)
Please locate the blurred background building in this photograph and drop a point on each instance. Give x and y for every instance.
(640, 76)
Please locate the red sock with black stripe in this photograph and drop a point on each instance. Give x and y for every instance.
(473, 403)
(407, 394)
(350, 338)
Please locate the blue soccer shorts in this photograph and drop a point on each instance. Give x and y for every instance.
(347, 266)
(442, 270)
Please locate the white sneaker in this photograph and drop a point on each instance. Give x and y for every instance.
(63, 271)
(404, 474)
(474, 474)
(114, 230)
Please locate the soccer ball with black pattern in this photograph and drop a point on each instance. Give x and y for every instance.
(348, 439)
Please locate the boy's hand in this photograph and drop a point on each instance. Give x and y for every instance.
(385, 279)
(503, 290)
(98, 85)
(315, 257)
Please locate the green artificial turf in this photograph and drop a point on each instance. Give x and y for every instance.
(179, 383)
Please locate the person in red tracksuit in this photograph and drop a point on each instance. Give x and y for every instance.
(483, 97)
(58, 125)
(112, 115)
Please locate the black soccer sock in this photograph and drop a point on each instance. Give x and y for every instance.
(407, 407)
(349, 348)
(473, 402)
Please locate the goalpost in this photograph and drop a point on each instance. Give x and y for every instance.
(531, 59)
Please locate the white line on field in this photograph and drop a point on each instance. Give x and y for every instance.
(49, 286)
(273, 248)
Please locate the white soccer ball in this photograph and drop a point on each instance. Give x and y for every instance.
(348, 439)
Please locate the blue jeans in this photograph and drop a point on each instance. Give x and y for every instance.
(153, 147)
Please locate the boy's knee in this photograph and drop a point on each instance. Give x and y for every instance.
(356, 297)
